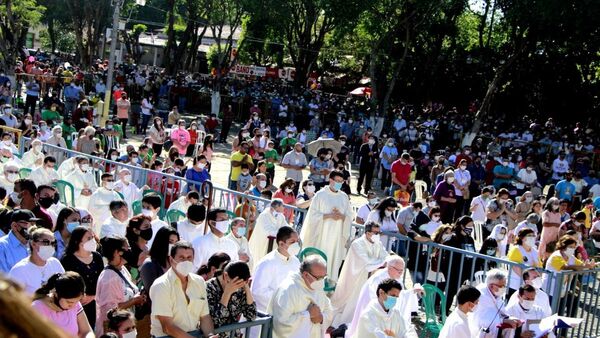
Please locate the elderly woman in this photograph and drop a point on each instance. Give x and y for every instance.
(86, 142)
(33, 158)
(445, 197)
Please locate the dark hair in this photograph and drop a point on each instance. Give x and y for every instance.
(49, 159)
(105, 175)
(238, 269)
(467, 294)
(2, 193)
(384, 204)
(217, 260)
(76, 239)
(212, 214)
(286, 183)
(370, 225)
(388, 284)
(66, 285)
(62, 216)
(198, 158)
(503, 191)
(135, 223)
(110, 244)
(526, 273)
(193, 194)
(26, 185)
(522, 234)
(526, 288)
(564, 242)
(117, 316)
(334, 174)
(196, 212)
(579, 216)
(153, 199)
(160, 245)
(116, 205)
(418, 205)
(179, 245)
(284, 233)
(434, 210)
(461, 223)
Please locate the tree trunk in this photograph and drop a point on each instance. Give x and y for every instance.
(171, 43)
(52, 34)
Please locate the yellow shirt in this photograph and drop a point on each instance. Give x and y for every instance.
(515, 255)
(588, 217)
(169, 300)
(557, 262)
(236, 171)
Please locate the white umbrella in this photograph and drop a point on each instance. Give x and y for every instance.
(330, 143)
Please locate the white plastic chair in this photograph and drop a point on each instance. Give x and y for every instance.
(420, 189)
(478, 235)
(479, 278)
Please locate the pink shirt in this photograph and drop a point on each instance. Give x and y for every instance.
(288, 199)
(181, 139)
(66, 320)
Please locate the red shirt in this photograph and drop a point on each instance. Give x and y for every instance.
(402, 171)
(211, 124)
(461, 157)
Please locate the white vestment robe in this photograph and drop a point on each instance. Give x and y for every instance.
(130, 192)
(66, 167)
(243, 247)
(98, 206)
(541, 300)
(515, 310)
(407, 303)
(180, 204)
(266, 225)
(30, 158)
(268, 275)
(456, 325)
(375, 320)
(190, 232)
(80, 181)
(7, 185)
(43, 176)
(209, 244)
(114, 227)
(363, 258)
(329, 236)
(488, 313)
(157, 224)
(289, 309)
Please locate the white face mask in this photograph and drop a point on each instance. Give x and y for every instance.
(463, 167)
(388, 213)
(185, 268)
(201, 165)
(376, 238)
(446, 237)
(262, 184)
(570, 252)
(222, 226)
(289, 190)
(536, 282)
(294, 249)
(127, 178)
(46, 251)
(450, 179)
(373, 201)
(318, 284)
(500, 236)
(530, 241)
(500, 292)
(12, 177)
(435, 218)
(90, 245)
(37, 148)
(148, 213)
(114, 157)
(109, 185)
(527, 304)
(310, 188)
(85, 167)
(431, 204)
(130, 334)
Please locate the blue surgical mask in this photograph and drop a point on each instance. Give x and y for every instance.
(241, 231)
(337, 186)
(71, 226)
(390, 302)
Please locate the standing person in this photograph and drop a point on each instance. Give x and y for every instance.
(389, 154)
(457, 324)
(320, 168)
(268, 223)
(123, 111)
(500, 211)
(237, 159)
(228, 117)
(299, 306)
(328, 223)
(462, 183)
(479, 205)
(158, 135)
(401, 170)
(551, 222)
(33, 95)
(271, 158)
(174, 313)
(369, 153)
(445, 197)
(294, 162)
(81, 257)
(181, 138)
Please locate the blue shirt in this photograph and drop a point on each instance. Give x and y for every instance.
(60, 245)
(198, 176)
(597, 203)
(565, 190)
(390, 152)
(502, 170)
(11, 251)
(71, 92)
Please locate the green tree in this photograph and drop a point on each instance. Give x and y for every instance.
(89, 20)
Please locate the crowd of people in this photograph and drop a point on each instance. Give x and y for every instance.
(138, 250)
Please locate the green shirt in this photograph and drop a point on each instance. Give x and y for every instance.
(287, 142)
(49, 115)
(271, 154)
(67, 132)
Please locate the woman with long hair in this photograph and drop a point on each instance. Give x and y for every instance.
(122, 323)
(207, 147)
(158, 135)
(59, 301)
(286, 193)
(550, 223)
(67, 220)
(82, 257)
(384, 213)
(139, 232)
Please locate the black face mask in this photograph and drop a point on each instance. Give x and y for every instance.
(129, 257)
(23, 232)
(46, 202)
(146, 234)
(56, 198)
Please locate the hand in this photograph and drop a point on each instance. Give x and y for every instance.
(146, 187)
(233, 285)
(451, 200)
(139, 299)
(316, 317)
(513, 323)
(86, 192)
(244, 257)
(389, 333)
(87, 299)
(527, 334)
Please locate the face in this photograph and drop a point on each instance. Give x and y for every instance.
(126, 326)
(69, 303)
(527, 296)
(497, 285)
(173, 239)
(396, 270)
(235, 228)
(182, 255)
(122, 213)
(148, 206)
(533, 274)
(317, 273)
(373, 232)
(43, 240)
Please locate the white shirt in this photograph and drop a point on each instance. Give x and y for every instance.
(189, 232)
(462, 177)
(541, 300)
(157, 224)
(268, 275)
(515, 310)
(99, 205)
(479, 214)
(31, 276)
(595, 190)
(209, 244)
(456, 325)
(180, 204)
(374, 321)
(113, 226)
(82, 180)
(131, 193)
(527, 177)
(43, 176)
(487, 314)
(363, 212)
(559, 167)
(30, 158)
(266, 225)
(146, 106)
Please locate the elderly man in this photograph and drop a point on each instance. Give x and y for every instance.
(366, 254)
(267, 224)
(174, 312)
(408, 301)
(382, 318)
(46, 174)
(101, 199)
(125, 186)
(299, 306)
(328, 223)
(534, 278)
(116, 224)
(525, 310)
(33, 158)
(238, 234)
(457, 324)
(11, 175)
(215, 241)
(490, 313)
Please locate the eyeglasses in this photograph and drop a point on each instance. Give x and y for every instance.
(317, 278)
(45, 242)
(11, 172)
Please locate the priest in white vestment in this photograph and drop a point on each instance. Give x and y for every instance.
(382, 318)
(214, 241)
(267, 224)
(34, 157)
(83, 181)
(66, 167)
(525, 309)
(534, 278)
(183, 203)
(46, 174)
(237, 233)
(408, 301)
(128, 189)
(491, 312)
(328, 223)
(194, 225)
(116, 224)
(457, 324)
(100, 201)
(366, 254)
(300, 307)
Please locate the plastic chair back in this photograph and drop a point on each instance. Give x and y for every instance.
(136, 207)
(311, 251)
(479, 278)
(431, 293)
(66, 192)
(420, 190)
(24, 172)
(478, 235)
(174, 216)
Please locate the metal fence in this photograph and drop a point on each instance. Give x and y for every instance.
(264, 321)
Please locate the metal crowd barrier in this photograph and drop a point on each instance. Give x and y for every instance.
(264, 321)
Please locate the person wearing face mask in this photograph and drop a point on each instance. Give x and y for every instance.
(59, 300)
(551, 221)
(127, 188)
(294, 162)
(445, 197)
(81, 257)
(239, 235)
(565, 189)
(526, 178)
(388, 154)
(67, 220)
(9, 177)
(260, 184)
(83, 180)
(115, 287)
(462, 182)
(215, 240)
(320, 167)
(198, 173)
(287, 195)
(500, 211)
(328, 223)
(25, 196)
(523, 206)
(490, 313)
(181, 138)
(576, 225)
(365, 255)
(382, 317)
(299, 306)
(532, 277)
(363, 212)
(34, 157)
(523, 252)
(369, 154)
(151, 206)
(479, 205)
(503, 174)
(13, 246)
(173, 313)
(116, 223)
(101, 200)
(59, 142)
(457, 323)
(122, 323)
(267, 224)
(34, 270)
(525, 309)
